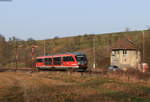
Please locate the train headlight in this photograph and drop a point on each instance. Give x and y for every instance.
(79, 63)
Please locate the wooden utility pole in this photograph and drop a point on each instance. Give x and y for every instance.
(143, 54)
(16, 57)
(94, 59)
(44, 49)
(33, 54)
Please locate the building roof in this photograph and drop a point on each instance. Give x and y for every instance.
(124, 44)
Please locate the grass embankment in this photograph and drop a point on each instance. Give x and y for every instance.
(64, 87)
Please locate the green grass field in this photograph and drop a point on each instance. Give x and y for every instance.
(71, 87)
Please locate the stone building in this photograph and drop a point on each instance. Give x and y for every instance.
(125, 55)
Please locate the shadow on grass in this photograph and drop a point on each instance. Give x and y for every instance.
(114, 97)
(70, 94)
(15, 94)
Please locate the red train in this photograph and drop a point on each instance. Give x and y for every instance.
(65, 61)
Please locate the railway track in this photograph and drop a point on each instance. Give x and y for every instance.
(16, 70)
(35, 70)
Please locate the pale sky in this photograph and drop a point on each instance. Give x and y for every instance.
(43, 19)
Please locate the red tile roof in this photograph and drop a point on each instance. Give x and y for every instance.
(124, 44)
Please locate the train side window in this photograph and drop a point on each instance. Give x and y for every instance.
(39, 60)
(57, 61)
(48, 61)
(68, 58)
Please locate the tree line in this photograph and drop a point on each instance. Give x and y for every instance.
(16, 52)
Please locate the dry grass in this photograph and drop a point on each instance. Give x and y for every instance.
(65, 87)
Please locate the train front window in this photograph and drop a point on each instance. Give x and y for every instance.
(81, 58)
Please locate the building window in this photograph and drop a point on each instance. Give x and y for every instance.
(116, 52)
(124, 52)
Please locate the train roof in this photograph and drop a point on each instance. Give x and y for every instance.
(66, 53)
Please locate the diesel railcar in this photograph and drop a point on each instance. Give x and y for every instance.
(64, 61)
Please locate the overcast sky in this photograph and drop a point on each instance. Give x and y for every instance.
(43, 19)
